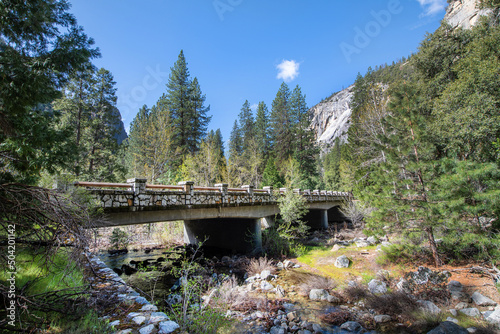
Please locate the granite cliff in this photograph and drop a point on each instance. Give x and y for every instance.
(331, 117)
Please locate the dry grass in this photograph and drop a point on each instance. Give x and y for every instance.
(395, 304)
(355, 293)
(336, 318)
(256, 266)
(309, 281)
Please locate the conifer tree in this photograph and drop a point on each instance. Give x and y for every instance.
(282, 124)
(199, 118)
(235, 142)
(305, 148)
(186, 105)
(246, 122)
(262, 132)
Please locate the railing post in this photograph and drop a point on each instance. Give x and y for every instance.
(138, 185)
(249, 189)
(188, 190)
(223, 191)
(269, 189)
(297, 191)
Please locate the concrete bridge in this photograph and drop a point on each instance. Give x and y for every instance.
(230, 218)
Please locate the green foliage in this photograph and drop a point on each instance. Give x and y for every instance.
(207, 166)
(118, 239)
(189, 314)
(185, 103)
(41, 45)
(283, 238)
(87, 323)
(271, 176)
(90, 117)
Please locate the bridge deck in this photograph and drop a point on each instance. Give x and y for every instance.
(137, 202)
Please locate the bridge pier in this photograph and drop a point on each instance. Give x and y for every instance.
(267, 222)
(316, 219)
(242, 235)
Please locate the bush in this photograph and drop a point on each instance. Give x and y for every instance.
(407, 253)
(312, 281)
(355, 293)
(118, 239)
(336, 318)
(256, 266)
(465, 246)
(393, 304)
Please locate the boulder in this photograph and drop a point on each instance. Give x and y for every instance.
(318, 294)
(455, 286)
(362, 243)
(158, 317)
(381, 318)
(429, 306)
(377, 287)
(336, 248)
(265, 285)
(264, 275)
(494, 317)
(147, 330)
(471, 312)
(139, 320)
(167, 327)
(481, 300)
(351, 326)
(342, 262)
(448, 327)
(372, 240)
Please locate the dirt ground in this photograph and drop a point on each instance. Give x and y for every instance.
(365, 267)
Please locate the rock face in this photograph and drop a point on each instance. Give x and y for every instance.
(464, 13)
(331, 117)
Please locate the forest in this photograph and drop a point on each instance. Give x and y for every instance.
(422, 157)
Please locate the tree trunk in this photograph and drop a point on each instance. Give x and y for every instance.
(432, 244)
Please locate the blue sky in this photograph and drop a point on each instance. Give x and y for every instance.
(243, 49)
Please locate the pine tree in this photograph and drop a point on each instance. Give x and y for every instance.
(262, 131)
(246, 123)
(305, 148)
(235, 142)
(137, 143)
(271, 176)
(199, 119)
(38, 56)
(282, 124)
(186, 104)
(100, 143)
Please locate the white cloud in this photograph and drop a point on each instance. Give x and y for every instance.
(254, 106)
(432, 6)
(288, 70)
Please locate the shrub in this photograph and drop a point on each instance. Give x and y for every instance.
(393, 304)
(256, 266)
(356, 212)
(406, 253)
(312, 281)
(118, 239)
(355, 293)
(336, 318)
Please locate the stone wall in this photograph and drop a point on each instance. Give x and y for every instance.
(186, 195)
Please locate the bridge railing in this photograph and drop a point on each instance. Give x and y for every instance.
(139, 194)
